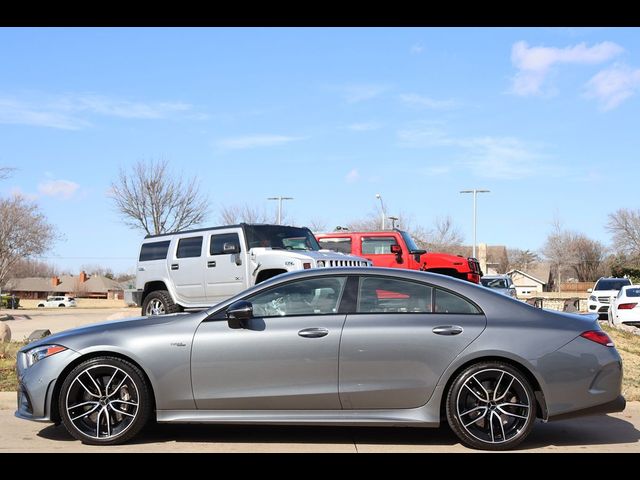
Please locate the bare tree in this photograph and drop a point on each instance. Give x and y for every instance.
(558, 250)
(231, 214)
(28, 267)
(624, 224)
(6, 172)
(24, 232)
(521, 259)
(150, 198)
(445, 235)
(589, 256)
(94, 269)
(317, 225)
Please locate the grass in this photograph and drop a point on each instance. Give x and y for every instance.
(8, 379)
(627, 344)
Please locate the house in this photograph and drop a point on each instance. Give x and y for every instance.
(532, 281)
(82, 286)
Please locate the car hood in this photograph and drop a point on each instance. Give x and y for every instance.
(605, 293)
(61, 338)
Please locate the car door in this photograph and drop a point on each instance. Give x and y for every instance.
(378, 250)
(186, 267)
(284, 358)
(400, 339)
(225, 274)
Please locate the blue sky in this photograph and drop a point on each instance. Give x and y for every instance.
(547, 119)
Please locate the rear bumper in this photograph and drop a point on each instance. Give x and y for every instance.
(616, 405)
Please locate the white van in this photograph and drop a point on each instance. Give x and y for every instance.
(199, 268)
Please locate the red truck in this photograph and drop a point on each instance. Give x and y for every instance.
(396, 249)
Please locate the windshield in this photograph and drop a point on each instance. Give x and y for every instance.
(411, 245)
(612, 283)
(279, 236)
(495, 282)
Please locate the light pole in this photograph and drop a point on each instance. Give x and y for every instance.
(475, 191)
(280, 198)
(379, 197)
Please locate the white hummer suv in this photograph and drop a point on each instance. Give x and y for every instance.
(199, 268)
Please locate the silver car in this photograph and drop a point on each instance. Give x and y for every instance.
(346, 346)
(500, 283)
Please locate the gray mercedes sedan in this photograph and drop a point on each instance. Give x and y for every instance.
(339, 346)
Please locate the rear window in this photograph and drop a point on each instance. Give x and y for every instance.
(633, 292)
(612, 283)
(189, 247)
(342, 245)
(154, 251)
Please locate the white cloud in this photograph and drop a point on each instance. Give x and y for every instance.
(353, 176)
(58, 188)
(355, 93)
(255, 141)
(417, 49)
(488, 156)
(69, 112)
(534, 63)
(613, 85)
(421, 101)
(364, 126)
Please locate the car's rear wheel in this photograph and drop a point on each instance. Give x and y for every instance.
(41, 305)
(491, 406)
(62, 305)
(104, 401)
(159, 303)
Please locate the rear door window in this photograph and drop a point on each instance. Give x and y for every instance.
(342, 245)
(154, 251)
(189, 247)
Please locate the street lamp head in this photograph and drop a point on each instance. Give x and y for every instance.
(377, 195)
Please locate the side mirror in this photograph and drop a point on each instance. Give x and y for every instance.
(397, 249)
(240, 310)
(230, 247)
(589, 290)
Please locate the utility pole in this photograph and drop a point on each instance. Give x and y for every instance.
(475, 191)
(280, 199)
(393, 222)
(379, 197)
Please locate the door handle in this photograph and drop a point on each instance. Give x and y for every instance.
(175, 266)
(211, 263)
(447, 330)
(313, 332)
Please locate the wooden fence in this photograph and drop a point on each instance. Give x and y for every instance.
(579, 287)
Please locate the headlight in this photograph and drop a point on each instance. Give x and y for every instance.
(320, 263)
(36, 354)
(592, 298)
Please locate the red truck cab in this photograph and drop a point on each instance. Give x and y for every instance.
(396, 249)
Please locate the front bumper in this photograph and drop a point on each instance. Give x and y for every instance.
(36, 385)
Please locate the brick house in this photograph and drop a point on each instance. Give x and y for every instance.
(81, 286)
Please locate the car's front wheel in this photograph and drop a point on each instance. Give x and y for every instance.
(104, 401)
(491, 406)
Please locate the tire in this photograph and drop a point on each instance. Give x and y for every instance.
(41, 305)
(62, 305)
(97, 414)
(498, 390)
(159, 302)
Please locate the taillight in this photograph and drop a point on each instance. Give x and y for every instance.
(626, 306)
(598, 337)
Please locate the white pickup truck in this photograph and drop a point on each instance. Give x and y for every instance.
(199, 268)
